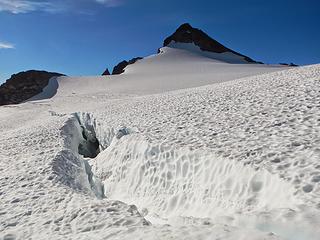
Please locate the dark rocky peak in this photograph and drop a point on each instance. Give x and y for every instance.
(24, 85)
(187, 34)
(106, 72)
(119, 68)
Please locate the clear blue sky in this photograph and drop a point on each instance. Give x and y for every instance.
(83, 37)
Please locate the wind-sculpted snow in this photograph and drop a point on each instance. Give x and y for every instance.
(264, 121)
(182, 182)
(46, 194)
(69, 166)
(260, 148)
(233, 160)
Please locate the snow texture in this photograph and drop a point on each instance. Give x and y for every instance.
(178, 147)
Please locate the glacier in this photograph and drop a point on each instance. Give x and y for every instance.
(180, 146)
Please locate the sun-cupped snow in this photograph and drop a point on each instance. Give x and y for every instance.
(178, 147)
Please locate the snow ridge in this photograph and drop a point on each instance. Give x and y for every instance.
(73, 169)
(181, 182)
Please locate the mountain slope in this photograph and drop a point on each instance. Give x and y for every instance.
(195, 40)
(226, 160)
(171, 69)
(179, 146)
(24, 85)
(187, 34)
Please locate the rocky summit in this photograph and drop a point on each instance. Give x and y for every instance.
(24, 85)
(106, 72)
(187, 34)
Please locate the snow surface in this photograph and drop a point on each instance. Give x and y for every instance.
(189, 148)
(172, 69)
(228, 57)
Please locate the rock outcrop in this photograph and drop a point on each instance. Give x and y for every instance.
(24, 85)
(289, 64)
(118, 69)
(106, 72)
(187, 34)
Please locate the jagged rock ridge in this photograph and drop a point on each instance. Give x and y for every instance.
(118, 69)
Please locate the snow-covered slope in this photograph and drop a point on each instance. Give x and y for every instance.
(178, 147)
(172, 69)
(227, 57)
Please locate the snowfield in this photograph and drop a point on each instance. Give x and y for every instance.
(180, 146)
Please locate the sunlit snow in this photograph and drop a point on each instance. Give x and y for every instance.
(180, 146)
